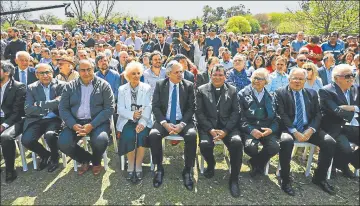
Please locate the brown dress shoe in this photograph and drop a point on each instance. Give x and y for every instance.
(96, 169)
(84, 167)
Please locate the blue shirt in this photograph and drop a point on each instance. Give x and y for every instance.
(215, 43)
(335, 50)
(316, 86)
(354, 121)
(151, 79)
(238, 79)
(298, 44)
(84, 109)
(113, 78)
(328, 74)
(47, 94)
(277, 80)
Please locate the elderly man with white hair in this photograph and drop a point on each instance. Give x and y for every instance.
(299, 113)
(173, 108)
(340, 108)
(112, 62)
(42, 116)
(258, 122)
(24, 73)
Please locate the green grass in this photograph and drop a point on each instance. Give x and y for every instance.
(64, 186)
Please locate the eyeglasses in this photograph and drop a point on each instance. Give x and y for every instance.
(347, 76)
(308, 69)
(237, 60)
(44, 73)
(85, 70)
(302, 60)
(259, 78)
(304, 53)
(297, 79)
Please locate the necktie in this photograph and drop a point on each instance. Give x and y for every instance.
(23, 77)
(173, 106)
(299, 113)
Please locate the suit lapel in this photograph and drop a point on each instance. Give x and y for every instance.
(7, 89)
(166, 92)
(16, 76)
(353, 95)
(306, 102)
(268, 105)
(181, 95)
(140, 94)
(340, 94)
(211, 96)
(128, 96)
(53, 89)
(291, 96)
(40, 91)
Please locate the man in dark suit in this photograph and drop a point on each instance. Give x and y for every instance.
(217, 111)
(299, 112)
(42, 117)
(340, 108)
(173, 108)
(204, 78)
(11, 113)
(326, 70)
(24, 73)
(258, 122)
(86, 106)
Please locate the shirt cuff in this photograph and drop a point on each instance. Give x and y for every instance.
(183, 123)
(357, 109)
(162, 122)
(292, 130)
(313, 129)
(5, 125)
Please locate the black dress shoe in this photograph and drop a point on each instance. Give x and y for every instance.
(188, 182)
(129, 175)
(209, 172)
(234, 188)
(44, 162)
(53, 165)
(158, 178)
(139, 176)
(347, 173)
(287, 188)
(10, 176)
(324, 185)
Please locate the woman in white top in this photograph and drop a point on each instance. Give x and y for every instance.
(312, 80)
(134, 121)
(199, 47)
(203, 59)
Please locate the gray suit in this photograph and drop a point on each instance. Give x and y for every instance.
(36, 125)
(102, 106)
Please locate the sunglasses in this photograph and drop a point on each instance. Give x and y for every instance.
(347, 76)
(304, 53)
(210, 50)
(308, 69)
(302, 60)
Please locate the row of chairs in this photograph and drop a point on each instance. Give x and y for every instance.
(84, 142)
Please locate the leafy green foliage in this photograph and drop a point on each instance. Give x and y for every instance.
(238, 24)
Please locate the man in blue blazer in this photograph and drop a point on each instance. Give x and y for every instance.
(24, 73)
(326, 70)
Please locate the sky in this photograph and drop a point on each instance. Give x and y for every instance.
(179, 10)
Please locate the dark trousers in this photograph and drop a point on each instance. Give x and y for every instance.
(233, 143)
(155, 142)
(50, 128)
(270, 148)
(99, 140)
(8, 144)
(343, 152)
(321, 139)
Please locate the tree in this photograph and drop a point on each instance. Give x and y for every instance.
(13, 5)
(108, 9)
(238, 10)
(263, 20)
(49, 18)
(323, 17)
(206, 11)
(79, 8)
(219, 12)
(97, 9)
(255, 26)
(238, 24)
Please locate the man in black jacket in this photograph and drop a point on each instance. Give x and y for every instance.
(11, 113)
(14, 45)
(340, 109)
(173, 108)
(217, 111)
(42, 116)
(299, 112)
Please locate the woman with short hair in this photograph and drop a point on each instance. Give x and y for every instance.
(312, 80)
(134, 121)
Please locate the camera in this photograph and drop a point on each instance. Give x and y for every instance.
(175, 37)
